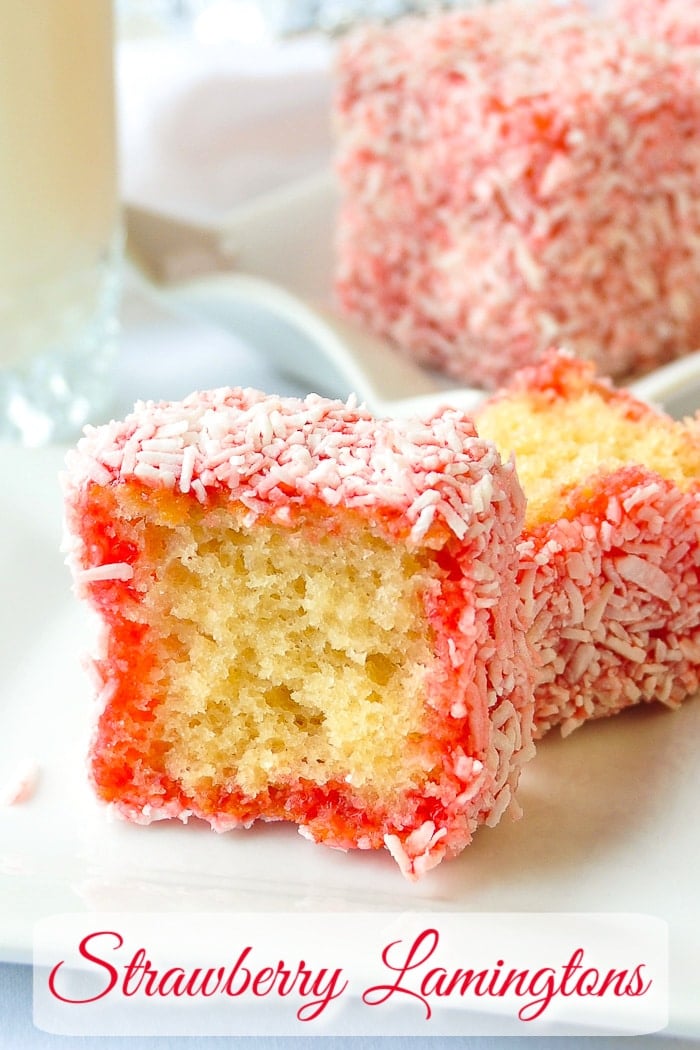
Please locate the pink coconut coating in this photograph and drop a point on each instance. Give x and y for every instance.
(515, 176)
(676, 22)
(619, 602)
(432, 485)
(428, 477)
(612, 588)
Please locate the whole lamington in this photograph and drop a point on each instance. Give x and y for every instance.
(517, 176)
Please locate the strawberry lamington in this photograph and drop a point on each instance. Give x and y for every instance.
(610, 554)
(309, 615)
(517, 176)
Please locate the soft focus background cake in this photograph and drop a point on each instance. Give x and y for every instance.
(309, 616)
(515, 176)
(677, 22)
(610, 555)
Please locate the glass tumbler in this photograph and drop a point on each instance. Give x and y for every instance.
(59, 216)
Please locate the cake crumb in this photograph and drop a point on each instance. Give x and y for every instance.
(21, 785)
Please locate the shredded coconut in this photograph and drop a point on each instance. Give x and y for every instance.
(613, 585)
(223, 439)
(517, 176)
(432, 484)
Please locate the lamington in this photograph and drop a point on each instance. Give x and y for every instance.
(610, 552)
(308, 615)
(517, 176)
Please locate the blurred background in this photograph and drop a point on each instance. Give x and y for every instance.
(241, 102)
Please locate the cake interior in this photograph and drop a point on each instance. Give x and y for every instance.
(281, 652)
(560, 442)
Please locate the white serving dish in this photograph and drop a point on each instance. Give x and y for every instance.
(272, 285)
(611, 813)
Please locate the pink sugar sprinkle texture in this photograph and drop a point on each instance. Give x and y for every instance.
(515, 176)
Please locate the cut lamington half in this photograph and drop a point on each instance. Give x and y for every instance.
(610, 555)
(309, 616)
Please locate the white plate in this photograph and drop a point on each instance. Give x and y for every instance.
(611, 814)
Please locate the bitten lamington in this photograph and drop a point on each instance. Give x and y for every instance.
(309, 615)
(517, 176)
(610, 554)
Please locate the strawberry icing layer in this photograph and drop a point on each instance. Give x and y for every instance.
(515, 176)
(432, 485)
